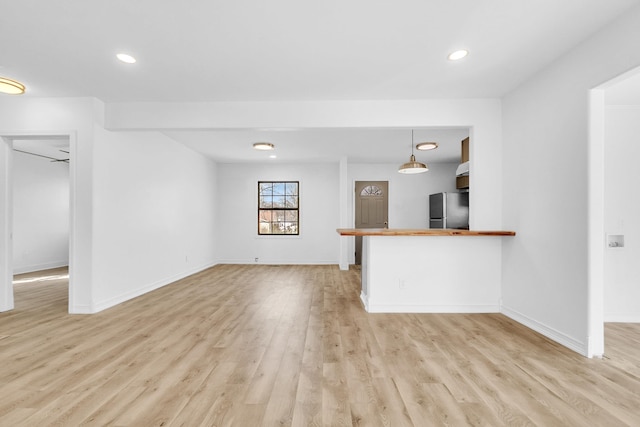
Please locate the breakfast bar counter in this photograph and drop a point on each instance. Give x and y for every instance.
(430, 270)
(419, 232)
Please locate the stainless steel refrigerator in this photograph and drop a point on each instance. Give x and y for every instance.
(449, 210)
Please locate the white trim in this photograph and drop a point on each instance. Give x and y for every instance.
(374, 307)
(421, 308)
(111, 302)
(82, 309)
(551, 333)
(595, 218)
(73, 307)
(622, 107)
(40, 267)
(364, 299)
(278, 262)
(6, 228)
(6, 224)
(344, 213)
(622, 318)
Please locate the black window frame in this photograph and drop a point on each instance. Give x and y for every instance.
(282, 211)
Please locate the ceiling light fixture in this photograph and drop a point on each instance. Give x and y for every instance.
(458, 54)
(412, 166)
(11, 87)
(127, 59)
(425, 146)
(264, 146)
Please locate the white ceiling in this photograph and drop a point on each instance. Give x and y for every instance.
(50, 148)
(321, 145)
(291, 50)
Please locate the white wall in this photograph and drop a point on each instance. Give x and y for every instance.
(545, 184)
(143, 209)
(319, 214)
(40, 213)
(75, 118)
(154, 214)
(481, 116)
(408, 194)
(622, 214)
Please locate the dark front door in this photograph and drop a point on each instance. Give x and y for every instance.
(371, 210)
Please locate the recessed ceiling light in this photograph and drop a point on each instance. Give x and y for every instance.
(458, 54)
(11, 87)
(273, 156)
(264, 146)
(128, 59)
(424, 146)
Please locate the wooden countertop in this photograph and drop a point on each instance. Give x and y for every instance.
(419, 232)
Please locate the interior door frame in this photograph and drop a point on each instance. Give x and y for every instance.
(6, 214)
(596, 219)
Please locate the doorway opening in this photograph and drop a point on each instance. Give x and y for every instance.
(37, 193)
(614, 112)
(371, 209)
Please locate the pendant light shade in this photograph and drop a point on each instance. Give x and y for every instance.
(11, 87)
(413, 166)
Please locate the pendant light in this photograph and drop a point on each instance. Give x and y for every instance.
(412, 166)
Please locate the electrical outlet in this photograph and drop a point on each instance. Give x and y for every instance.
(256, 259)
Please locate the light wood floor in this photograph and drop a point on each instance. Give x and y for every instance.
(292, 345)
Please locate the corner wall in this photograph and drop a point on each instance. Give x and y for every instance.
(75, 118)
(154, 220)
(545, 185)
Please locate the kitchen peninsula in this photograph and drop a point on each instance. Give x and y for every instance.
(430, 270)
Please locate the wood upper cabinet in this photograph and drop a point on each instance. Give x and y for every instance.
(464, 156)
(462, 182)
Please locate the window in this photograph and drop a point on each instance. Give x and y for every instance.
(278, 207)
(371, 191)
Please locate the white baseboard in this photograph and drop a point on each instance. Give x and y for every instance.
(80, 309)
(622, 318)
(364, 300)
(103, 305)
(371, 307)
(39, 267)
(277, 262)
(553, 334)
(390, 308)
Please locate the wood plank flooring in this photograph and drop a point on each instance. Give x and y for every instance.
(292, 345)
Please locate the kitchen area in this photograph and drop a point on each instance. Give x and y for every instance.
(438, 265)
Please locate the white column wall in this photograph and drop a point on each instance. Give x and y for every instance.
(75, 117)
